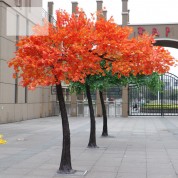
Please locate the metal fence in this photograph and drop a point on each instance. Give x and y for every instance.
(142, 101)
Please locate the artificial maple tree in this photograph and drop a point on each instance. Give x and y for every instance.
(44, 60)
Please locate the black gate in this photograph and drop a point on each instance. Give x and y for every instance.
(142, 101)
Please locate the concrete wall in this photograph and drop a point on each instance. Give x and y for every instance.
(30, 104)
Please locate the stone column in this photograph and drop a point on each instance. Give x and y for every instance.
(105, 14)
(125, 18)
(74, 95)
(73, 105)
(99, 7)
(125, 13)
(98, 105)
(50, 11)
(125, 101)
(74, 6)
(98, 102)
(43, 110)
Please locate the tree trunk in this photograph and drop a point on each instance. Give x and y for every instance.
(65, 165)
(92, 139)
(105, 126)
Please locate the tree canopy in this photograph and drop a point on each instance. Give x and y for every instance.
(76, 46)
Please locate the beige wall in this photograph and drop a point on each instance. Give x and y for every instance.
(40, 103)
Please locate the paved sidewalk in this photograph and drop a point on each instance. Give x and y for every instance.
(138, 147)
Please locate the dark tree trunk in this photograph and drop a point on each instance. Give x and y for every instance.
(65, 165)
(92, 139)
(105, 126)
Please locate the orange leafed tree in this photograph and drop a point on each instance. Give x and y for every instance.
(74, 49)
(62, 55)
(136, 55)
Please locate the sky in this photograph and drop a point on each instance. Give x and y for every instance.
(141, 12)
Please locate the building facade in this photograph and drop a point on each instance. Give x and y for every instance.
(18, 103)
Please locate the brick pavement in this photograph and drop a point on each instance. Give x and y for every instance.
(138, 147)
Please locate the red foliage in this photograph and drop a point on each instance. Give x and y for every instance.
(75, 47)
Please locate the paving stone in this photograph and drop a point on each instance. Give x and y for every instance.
(161, 175)
(131, 175)
(140, 148)
(101, 174)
